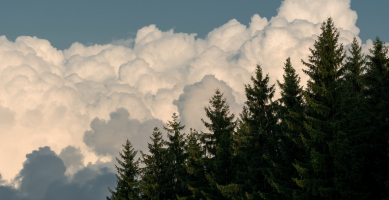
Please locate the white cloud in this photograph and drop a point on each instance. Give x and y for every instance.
(49, 97)
(318, 10)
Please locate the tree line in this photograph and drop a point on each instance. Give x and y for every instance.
(328, 140)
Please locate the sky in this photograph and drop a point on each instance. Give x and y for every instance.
(99, 22)
(78, 78)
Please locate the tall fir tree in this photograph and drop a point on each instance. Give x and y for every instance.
(377, 95)
(176, 157)
(218, 146)
(154, 175)
(127, 186)
(325, 115)
(289, 147)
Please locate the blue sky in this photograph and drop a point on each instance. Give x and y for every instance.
(99, 21)
(78, 78)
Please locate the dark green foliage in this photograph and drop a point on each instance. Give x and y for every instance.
(259, 125)
(324, 114)
(154, 175)
(218, 145)
(238, 188)
(287, 142)
(350, 147)
(355, 66)
(196, 181)
(127, 174)
(377, 96)
(176, 170)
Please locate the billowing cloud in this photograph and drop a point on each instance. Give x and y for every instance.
(107, 137)
(339, 10)
(43, 167)
(43, 178)
(84, 101)
(73, 159)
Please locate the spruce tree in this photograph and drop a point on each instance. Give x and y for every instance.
(127, 187)
(196, 181)
(260, 124)
(355, 66)
(237, 189)
(324, 115)
(154, 173)
(218, 145)
(290, 113)
(176, 159)
(377, 95)
(350, 148)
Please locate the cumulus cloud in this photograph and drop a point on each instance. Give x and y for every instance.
(73, 159)
(43, 167)
(107, 137)
(339, 10)
(84, 101)
(95, 188)
(43, 178)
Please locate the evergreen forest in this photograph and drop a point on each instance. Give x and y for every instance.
(326, 140)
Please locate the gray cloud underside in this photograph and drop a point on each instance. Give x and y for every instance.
(43, 178)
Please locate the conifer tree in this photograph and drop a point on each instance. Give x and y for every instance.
(355, 65)
(238, 188)
(350, 148)
(323, 119)
(127, 187)
(176, 159)
(290, 113)
(377, 95)
(154, 173)
(260, 123)
(218, 145)
(196, 182)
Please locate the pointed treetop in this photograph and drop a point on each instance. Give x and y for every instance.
(260, 90)
(379, 58)
(325, 64)
(173, 125)
(218, 111)
(290, 88)
(356, 60)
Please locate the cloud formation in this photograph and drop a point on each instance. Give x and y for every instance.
(107, 138)
(43, 178)
(84, 101)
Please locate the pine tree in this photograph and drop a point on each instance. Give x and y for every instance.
(377, 95)
(218, 145)
(154, 174)
(324, 116)
(290, 113)
(176, 158)
(127, 187)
